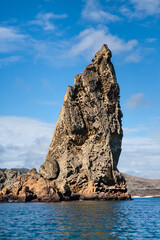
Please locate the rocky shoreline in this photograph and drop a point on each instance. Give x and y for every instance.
(11, 189)
(32, 187)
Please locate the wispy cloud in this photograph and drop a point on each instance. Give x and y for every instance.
(134, 57)
(52, 103)
(45, 20)
(141, 9)
(10, 60)
(12, 42)
(140, 156)
(138, 100)
(2, 149)
(151, 40)
(91, 39)
(94, 12)
(127, 12)
(11, 39)
(24, 142)
(139, 54)
(148, 7)
(11, 33)
(134, 130)
(15, 42)
(85, 44)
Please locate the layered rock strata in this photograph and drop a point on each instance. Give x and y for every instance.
(82, 159)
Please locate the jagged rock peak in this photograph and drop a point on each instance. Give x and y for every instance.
(103, 52)
(86, 143)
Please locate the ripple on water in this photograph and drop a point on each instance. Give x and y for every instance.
(138, 219)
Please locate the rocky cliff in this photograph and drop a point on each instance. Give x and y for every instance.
(83, 155)
(86, 144)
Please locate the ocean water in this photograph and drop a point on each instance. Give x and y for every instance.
(137, 219)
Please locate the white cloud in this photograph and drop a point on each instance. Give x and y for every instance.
(2, 149)
(126, 11)
(91, 40)
(93, 11)
(24, 142)
(85, 45)
(140, 156)
(11, 39)
(7, 33)
(137, 100)
(140, 150)
(9, 60)
(141, 8)
(44, 20)
(138, 54)
(149, 7)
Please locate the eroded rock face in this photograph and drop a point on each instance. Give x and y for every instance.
(86, 143)
(17, 187)
(26, 187)
(81, 163)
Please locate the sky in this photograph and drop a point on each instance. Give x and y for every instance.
(45, 43)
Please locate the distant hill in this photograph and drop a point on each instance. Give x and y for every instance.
(20, 170)
(142, 186)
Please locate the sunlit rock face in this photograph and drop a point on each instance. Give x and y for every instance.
(86, 144)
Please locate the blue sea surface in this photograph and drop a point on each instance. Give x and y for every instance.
(137, 219)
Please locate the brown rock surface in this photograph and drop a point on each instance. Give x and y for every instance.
(86, 144)
(27, 187)
(82, 159)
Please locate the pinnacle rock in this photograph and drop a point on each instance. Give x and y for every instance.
(86, 143)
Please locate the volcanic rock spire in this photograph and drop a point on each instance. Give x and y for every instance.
(86, 143)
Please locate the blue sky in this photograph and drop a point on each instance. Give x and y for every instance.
(45, 43)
